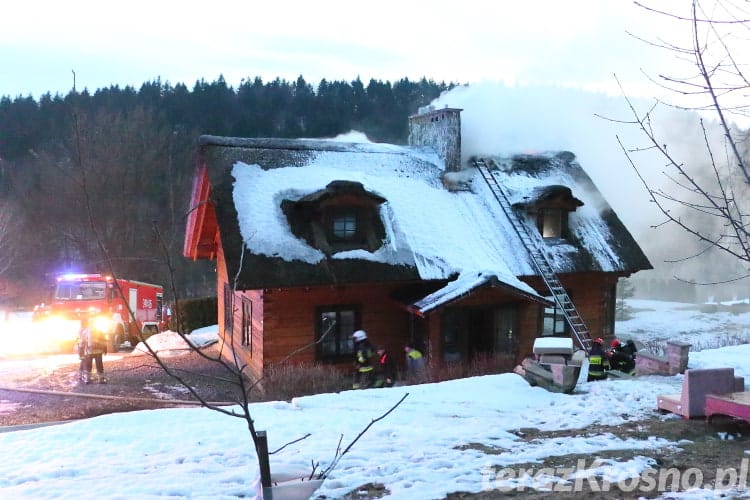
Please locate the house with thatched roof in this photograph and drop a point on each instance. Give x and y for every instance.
(314, 239)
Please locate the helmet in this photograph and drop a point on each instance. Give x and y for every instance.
(359, 335)
(615, 344)
(599, 341)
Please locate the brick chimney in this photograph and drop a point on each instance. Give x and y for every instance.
(441, 130)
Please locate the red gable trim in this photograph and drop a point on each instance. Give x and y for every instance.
(201, 225)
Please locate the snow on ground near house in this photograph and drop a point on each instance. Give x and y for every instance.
(172, 343)
(657, 322)
(443, 438)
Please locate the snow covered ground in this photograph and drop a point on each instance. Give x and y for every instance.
(704, 326)
(452, 436)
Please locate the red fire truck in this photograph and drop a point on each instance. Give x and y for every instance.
(125, 310)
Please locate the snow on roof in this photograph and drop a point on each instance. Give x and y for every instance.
(464, 284)
(594, 226)
(439, 232)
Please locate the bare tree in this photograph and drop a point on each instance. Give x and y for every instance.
(238, 375)
(8, 236)
(233, 371)
(109, 149)
(707, 195)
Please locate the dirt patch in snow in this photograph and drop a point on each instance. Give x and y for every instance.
(701, 449)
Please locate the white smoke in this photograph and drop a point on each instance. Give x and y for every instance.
(499, 119)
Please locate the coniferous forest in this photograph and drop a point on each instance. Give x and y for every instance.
(100, 181)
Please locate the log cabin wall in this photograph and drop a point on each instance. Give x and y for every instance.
(221, 281)
(528, 320)
(248, 324)
(290, 319)
(284, 320)
(245, 339)
(593, 295)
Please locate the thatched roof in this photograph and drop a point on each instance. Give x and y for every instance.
(431, 233)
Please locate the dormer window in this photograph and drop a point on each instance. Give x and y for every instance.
(343, 216)
(551, 222)
(344, 227)
(549, 207)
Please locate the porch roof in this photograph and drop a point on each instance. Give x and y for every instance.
(466, 283)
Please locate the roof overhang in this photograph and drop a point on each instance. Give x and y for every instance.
(201, 226)
(464, 286)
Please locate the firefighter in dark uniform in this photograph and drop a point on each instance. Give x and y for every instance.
(597, 361)
(622, 357)
(385, 368)
(363, 377)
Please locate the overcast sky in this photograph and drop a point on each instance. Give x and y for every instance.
(580, 42)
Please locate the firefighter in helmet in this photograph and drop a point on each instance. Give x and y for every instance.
(622, 357)
(597, 360)
(92, 345)
(362, 360)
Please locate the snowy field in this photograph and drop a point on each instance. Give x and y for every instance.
(704, 326)
(446, 437)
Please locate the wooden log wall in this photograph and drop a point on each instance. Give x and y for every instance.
(591, 293)
(290, 318)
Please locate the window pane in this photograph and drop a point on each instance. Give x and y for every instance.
(93, 290)
(548, 325)
(553, 321)
(81, 290)
(338, 342)
(347, 319)
(551, 223)
(63, 291)
(560, 325)
(347, 322)
(327, 318)
(345, 227)
(228, 309)
(328, 344)
(247, 324)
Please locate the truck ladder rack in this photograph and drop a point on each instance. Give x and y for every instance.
(531, 240)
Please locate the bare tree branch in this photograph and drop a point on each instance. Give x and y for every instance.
(338, 456)
(707, 196)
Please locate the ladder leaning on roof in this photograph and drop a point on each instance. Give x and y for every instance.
(532, 242)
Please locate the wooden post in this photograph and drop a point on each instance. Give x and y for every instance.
(263, 462)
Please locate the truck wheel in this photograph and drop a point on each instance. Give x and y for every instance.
(149, 330)
(119, 338)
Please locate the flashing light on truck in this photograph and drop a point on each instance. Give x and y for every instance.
(125, 310)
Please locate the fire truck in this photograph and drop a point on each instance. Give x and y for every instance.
(125, 310)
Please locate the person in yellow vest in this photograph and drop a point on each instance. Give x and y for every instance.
(597, 361)
(92, 345)
(415, 367)
(362, 361)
